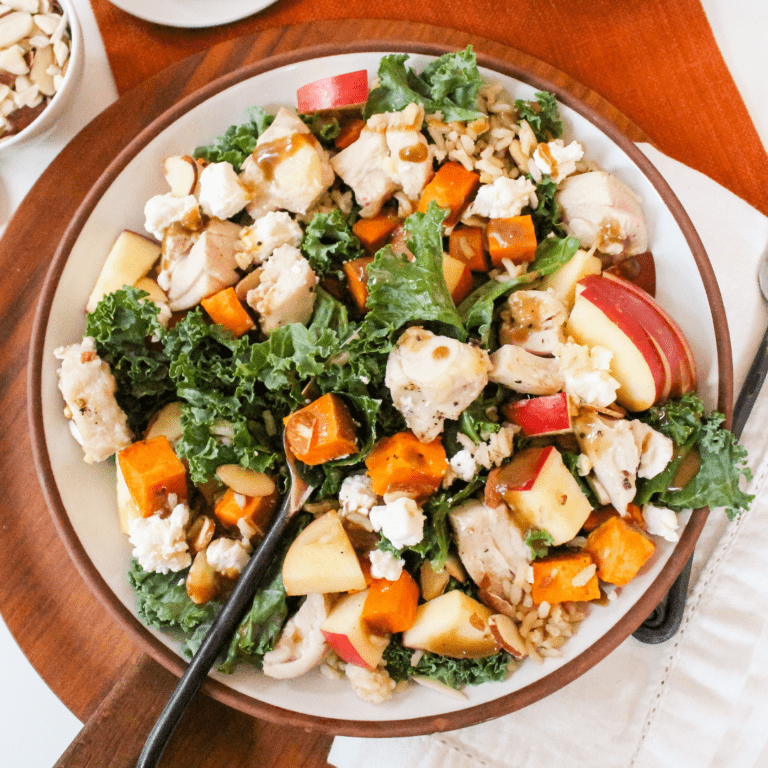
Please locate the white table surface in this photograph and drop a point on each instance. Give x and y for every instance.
(35, 727)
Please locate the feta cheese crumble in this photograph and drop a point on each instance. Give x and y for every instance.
(227, 556)
(661, 521)
(504, 198)
(401, 521)
(384, 565)
(586, 373)
(160, 543)
(221, 194)
(357, 495)
(161, 211)
(265, 235)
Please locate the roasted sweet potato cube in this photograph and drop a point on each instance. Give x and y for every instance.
(620, 549)
(451, 187)
(152, 470)
(402, 462)
(391, 605)
(466, 244)
(513, 239)
(554, 577)
(257, 510)
(373, 232)
(322, 431)
(356, 271)
(601, 514)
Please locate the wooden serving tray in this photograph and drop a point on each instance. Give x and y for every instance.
(68, 636)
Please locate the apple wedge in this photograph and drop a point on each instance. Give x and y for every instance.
(166, 422)
(321, 559)
(346, 632)
(599, 318)
(563, 281)
(130, 258)
(537, 416)
(454, 625)
(333, 92)
(458, 278)
(640, 270)
(542, 493)
(668, 333)
(181, 173)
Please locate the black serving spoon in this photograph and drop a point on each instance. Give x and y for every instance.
(226, 622)
(666, 618)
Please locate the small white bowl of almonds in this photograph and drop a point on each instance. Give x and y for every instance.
(40, 58)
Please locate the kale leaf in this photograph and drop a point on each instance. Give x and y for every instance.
(449, 84)
(543, 115)
(328, 242)
(538, 541)
(238, 141)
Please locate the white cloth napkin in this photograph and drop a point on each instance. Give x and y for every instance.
(699, 700)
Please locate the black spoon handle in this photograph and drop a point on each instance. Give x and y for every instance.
(215, 640)
(666, 618)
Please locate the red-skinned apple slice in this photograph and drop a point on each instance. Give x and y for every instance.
(333, 92)
(547, 415)
(542, 493)
(643, 373)
(346, 632)
(687, 364)
(180, 172)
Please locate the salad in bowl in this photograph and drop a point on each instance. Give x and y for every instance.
(445, 310)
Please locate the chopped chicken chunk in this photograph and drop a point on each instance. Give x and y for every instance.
(88, 387)
(289, 169)
(260, 240)
(286, 291)
(301, 645)
(209, 267)
(611, 449)
(390, 154)
(524, 372)
(534, 320)
(556, 159)
(491, 547)
(604, 212)
(433, 378)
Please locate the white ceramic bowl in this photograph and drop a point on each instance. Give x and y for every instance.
(61, 100)
(82, 497)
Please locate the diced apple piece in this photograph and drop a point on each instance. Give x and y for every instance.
(452, 625)
(131, 257)
(181, 173)
(642, 371)
(127, 508)
(542, 493)
(432, 582)
(563, 281)
(322, 559)
(458, 278)
(167, 422)
(547, 415)
(346, 632)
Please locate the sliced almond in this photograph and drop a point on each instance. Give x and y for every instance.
(437, 685)
(248, 283)
(507, 635)
(14, 27)
(180, 172)
(455, 568)
(245, 481)
(432, 583)
(202, 581)
(39, 71)
(200, 533)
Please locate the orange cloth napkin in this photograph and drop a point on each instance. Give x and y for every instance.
(656, 61)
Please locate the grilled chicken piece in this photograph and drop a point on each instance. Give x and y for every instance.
(491, 548)
(289, 168)
(534, 320)
(600, 210)
(88, 386)
(433, 378)
(301, 645)
(209, 266)
(524, 372)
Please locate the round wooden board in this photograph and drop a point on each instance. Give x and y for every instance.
(65, 632)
